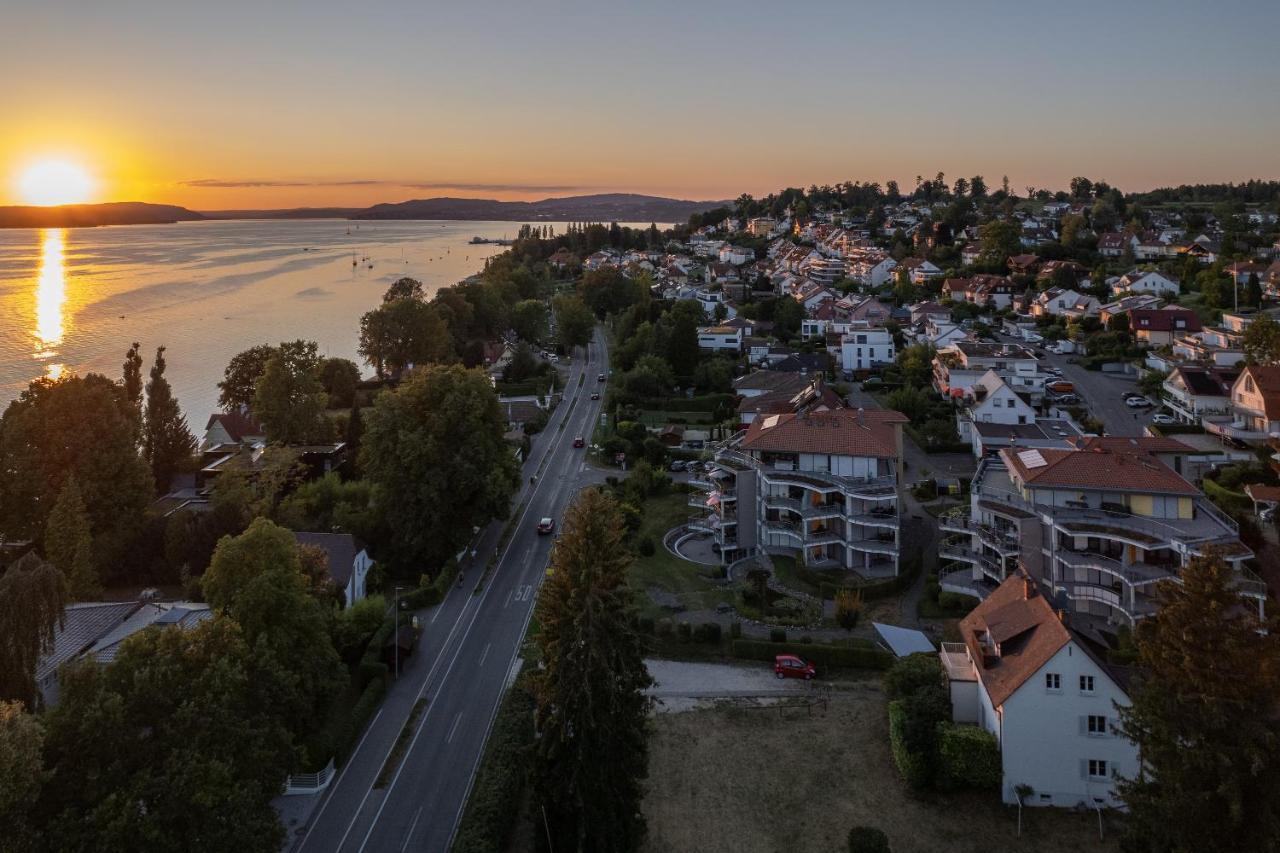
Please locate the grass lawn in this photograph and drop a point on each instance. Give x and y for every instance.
(744, 779)
(662, 569)
(804, 579)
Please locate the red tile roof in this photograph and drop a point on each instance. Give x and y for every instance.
(843, 432)
(1096, 468)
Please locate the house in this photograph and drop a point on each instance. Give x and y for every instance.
(1024, 264)
(991, 291)
(232, 428)
(821, 486)
(1023, 674)
(1055, 433)
(720, 338)
(1241, 271)
(1063, 303)
(1193, 392)
(672, 435)
(804, 393)
(1050, 268)
(1145, 281)
(736, 255)
(94, 630)
(922, 311)
(761, 226)
(954, 289)
(958, 367)
(1159, 326)
(971, 254)
(348, 562)
(1114, 245)
(865, 348)
(990, 400)
(919, 270)
(1126, 304)
(562, 258)
(1254, 407)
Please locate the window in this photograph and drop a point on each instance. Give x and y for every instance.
(1052, 681)
(1097, 724)
(1097, 768)
(1086, 684)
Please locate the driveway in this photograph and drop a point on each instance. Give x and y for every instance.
(687, 680)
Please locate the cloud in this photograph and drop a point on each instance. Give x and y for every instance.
(224, 183)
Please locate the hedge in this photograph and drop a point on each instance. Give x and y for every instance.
(494, 803)
(868, 839)
(968, 758)
(913, 767)
(862, 656)
(347, 731)
(704, 403)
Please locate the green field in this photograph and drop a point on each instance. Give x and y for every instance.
(664, 570)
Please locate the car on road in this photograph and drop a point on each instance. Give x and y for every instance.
(599, 377)
(1162, 418)
(1053, 371)
(1138, 402)
(1065, 399)
(1060, 386)
(545, 526)
(595, 395)
(793, 666)
(578, 441)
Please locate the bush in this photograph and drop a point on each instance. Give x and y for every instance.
(868, 839)
(954, 602)
(684, 631)
(968, 757)
(864, 656)
(645, 547)
(348, 731)
(778, 635)
(664, 628)
(735, 629)
(645, 625)
(369, 671)
(908, 674)
(707, 632)
(848, 608)
(913, 733)
(494, 803)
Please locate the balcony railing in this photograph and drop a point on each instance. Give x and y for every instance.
(1004, 543)
(1136, 574)
(955, 659)
(960, 580)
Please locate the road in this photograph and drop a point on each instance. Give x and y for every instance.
(465, 660)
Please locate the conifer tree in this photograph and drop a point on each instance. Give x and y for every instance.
(167, 443)
(592, 754)
(68, 543)
(132, 383)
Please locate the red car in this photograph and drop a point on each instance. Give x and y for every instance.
(578, 442)
(791, 666)
(545, 526)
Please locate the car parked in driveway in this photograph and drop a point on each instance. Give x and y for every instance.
(793, 666)
(1138, 402)
(1162, 418)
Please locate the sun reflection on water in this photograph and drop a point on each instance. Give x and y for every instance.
(51, 296)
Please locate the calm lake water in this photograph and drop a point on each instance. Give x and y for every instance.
(74, 299)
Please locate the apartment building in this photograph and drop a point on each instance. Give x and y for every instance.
(862, 348)
(958, 367)
(1097, 526)
(819, 486)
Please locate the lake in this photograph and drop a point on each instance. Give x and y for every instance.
(73, 300)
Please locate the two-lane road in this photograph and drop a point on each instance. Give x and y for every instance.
(468, 656)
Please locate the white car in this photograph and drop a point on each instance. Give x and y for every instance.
(1137, 402)
(1162, 418)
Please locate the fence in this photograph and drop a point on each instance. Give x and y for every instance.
(309, 783)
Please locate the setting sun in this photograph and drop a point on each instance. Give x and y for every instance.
(53, 182)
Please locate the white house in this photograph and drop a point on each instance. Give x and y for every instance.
(348, 562)
(1145, 281)
(990, 400)
(720, 338)
(863, 349)
(1022, 674)
(736, 255)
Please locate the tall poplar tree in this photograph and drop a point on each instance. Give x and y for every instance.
(1204, 719)
(32, 596)
(132, 382)
(68, 543)
(167, 443)
(592, 754)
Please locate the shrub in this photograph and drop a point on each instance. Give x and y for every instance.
(664, 628)
(707, 632)
(913, 733)
(956, 603)
(908, 674)
(968, 757)
(868, 839)
(370, 671)
(645, 547)
(848, 608)
(778, 635)
(863, 656)
(684, 631)
(494, 803)
(645, 624)
(735, 629)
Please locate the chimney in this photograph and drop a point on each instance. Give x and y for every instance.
(1028, 588)
(1062, 617)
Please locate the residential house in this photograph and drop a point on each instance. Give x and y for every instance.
(1063, 303)
(347, 562)
(1023, 674)
(1025, 264)
(720, 339)
(822, 487)
(922, 311)
(920, 270)
(971, 254)
(864, 348)
(226, 429)
(870, 267)
(1113, 244)
(1160, 326)
(1054, 433)
(1193, 392)
(958, 367)
(1145, 281)
(954, 289)
(1050, 268)
(1126, 304)
(990, 400)
(761, 226)
(736, 255)
(1254, 407)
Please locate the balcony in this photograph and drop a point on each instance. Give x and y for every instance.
(886, 520)
(785, 528)
(874, 546)
(1141, 608)
(806, 509)
(1135, 574)
(1001, 541)
(955, 660)
(1238, 430)
(961, 581)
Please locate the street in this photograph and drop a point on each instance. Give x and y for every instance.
(465, 659)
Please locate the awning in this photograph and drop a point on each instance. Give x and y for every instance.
(903, 641)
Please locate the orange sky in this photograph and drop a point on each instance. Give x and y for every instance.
(242, 105)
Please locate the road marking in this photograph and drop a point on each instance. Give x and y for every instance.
(436, 615)
(409, 835)
(453, 728)
(479, 601)
(485, 654)
(507, 603)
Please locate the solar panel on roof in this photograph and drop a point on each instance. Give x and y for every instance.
(1032, 459)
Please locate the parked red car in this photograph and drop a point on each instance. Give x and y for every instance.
(791, 666)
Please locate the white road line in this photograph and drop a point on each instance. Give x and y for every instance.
(408, 835)
(485, 654)
(507, 603)
(453, 728)
(436, 615)
(479, 601)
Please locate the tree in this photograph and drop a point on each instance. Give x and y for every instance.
(167, 443)
(339, 378)
(523, 365)
(591, 708)
(174, 746)
(998, 240)
(574, 321)
(289, 402)
(787, 317)
(21, 774)
(868, 839)
(32, 596)
(69, 544)
(73, 426)
(916, 364)
(132, 384)
(1203, 717)
(1261, 341)
(1253, 291)
(848, 608)
(401, 333)
(404, 288)
(435, 454)
(529, 320)
(240, 379)
(331, 504)
(682, 346)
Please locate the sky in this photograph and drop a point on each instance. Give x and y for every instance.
(281, 104)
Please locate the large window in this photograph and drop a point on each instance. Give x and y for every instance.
(1097, 768)
(1097, 724)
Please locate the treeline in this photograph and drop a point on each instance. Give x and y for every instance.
(1249, 192)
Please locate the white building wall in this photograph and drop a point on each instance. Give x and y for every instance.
(1045, 741)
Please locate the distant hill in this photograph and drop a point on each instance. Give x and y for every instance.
(285, 213)
(608, 207)
(87, 215)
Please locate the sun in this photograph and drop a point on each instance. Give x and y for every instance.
(52, 182)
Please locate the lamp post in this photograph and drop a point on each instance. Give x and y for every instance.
(395, 635)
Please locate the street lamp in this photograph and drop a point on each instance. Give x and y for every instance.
(395, 634)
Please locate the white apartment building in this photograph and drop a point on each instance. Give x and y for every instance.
(865, 348)
(720, 338)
